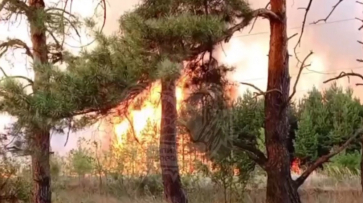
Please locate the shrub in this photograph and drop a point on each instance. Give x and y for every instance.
(350, 161)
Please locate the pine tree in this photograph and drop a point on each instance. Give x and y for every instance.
(327, 119)
(95, 81)
(166, 33)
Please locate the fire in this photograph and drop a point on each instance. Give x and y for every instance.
(149, 112)
(142, 124)
(295, 167)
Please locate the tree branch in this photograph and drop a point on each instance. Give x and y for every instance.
(14, 77)
(103, 5)
(15, 43)
(307, 9)
(361, 27)
(128, 96)
(70, 120)
(299, 181)
(328, 16)
(262, 12)
(14, 6)
(254, 22)
(260, 92)
(302, 66)
(343, 74)
(132, 128)
(254, 153)
(292, 36)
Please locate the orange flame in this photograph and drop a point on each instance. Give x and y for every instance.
(149, 112)
(295, 167)
(143, 122)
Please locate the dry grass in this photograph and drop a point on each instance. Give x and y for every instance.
(343, 188)
(307, 196)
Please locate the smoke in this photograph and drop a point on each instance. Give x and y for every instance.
(334, 43)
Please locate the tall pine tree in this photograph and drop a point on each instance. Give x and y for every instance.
(95, 81)
(170, 32)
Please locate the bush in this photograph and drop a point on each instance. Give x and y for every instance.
(148, 185)
(350, 161)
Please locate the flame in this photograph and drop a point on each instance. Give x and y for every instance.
(142, 123)
(150, 112)
(295, 166)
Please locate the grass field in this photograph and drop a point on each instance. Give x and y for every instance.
(319, 188)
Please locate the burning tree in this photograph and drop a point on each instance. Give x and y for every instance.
(169, 33)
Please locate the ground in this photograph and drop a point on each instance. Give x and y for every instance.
(317, 189)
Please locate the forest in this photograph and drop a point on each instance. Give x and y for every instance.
(179, 128)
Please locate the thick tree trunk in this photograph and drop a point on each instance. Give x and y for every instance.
(168, 147)
(280, 186)
(40, 140)
(41, 168)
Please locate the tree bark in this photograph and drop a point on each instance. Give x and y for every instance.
(280, 186)
(41, 168)
(168, 147)
(40, 140)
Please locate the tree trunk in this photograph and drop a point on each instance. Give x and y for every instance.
(168, 155)
(41, 168)
(280, 186)
(40, 141)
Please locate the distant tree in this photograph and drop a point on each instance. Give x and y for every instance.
(55, 166)
(327, 119)
(230, 127)
(81, 162)
(352, 74)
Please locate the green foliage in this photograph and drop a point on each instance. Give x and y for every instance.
(219, 129)
(169, 70)
(149, 185)
(170, 29)
(55, 167)
(325, 120)
(351, 161)
(229, 9)
(13, 185)
(223, 172)
(82, 162)
(248, 118)
(219, 126)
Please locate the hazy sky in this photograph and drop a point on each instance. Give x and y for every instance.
(334, 45)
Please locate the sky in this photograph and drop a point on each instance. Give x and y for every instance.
(334, 45)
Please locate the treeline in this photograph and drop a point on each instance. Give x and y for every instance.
(319, 122)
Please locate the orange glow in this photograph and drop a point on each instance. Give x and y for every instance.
(296, 166)
(149, 113)
(142, 124)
